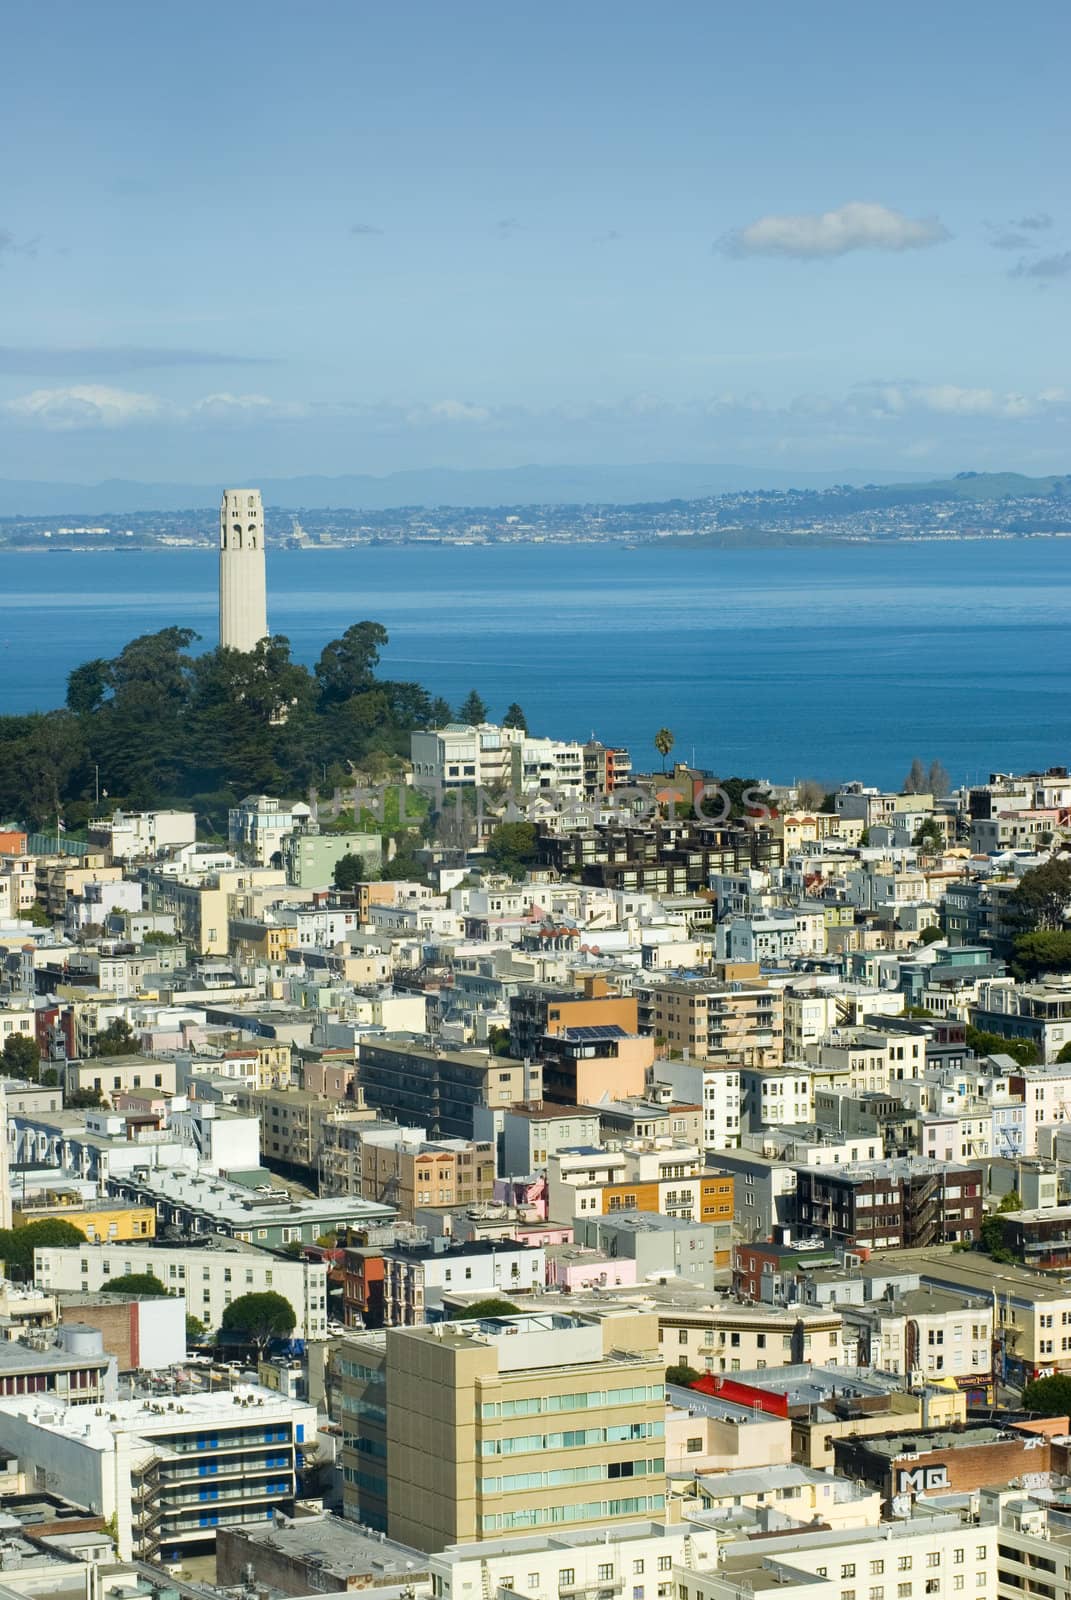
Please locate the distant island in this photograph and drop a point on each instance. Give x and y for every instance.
(969, 506)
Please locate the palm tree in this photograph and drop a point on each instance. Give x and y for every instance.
(663, 743)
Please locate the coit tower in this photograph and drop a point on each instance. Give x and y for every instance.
(243, 605)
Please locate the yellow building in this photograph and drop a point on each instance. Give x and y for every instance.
(101, 1224)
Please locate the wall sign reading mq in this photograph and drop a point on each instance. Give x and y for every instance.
(918, 1480)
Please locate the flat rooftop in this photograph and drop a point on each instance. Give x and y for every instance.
(148, 1417)
(334, 1545)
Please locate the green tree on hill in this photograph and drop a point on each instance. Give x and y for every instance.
(1046, 950)
(513, 847)
(1042, 897)
(473, 709)
(348, 871)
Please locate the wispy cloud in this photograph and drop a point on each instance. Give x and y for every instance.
(1018, 235)
(506, 227)
(95, 406)
(812, 235)
(450, 411)
(365, 230)
(88, 361)
(1044, 269)
(12, 246)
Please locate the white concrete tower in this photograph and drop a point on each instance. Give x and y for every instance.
(243, 604)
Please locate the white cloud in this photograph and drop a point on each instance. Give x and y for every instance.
(449, 411)
(220, 407)
(811, 235)
(90, 405)
(950, 399)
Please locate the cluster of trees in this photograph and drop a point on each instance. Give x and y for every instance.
(254, 1319)
(161, 725)
(17, 1245)
(1039, 908)
(933, 779)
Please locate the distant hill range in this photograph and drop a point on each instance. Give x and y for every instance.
(519, 486)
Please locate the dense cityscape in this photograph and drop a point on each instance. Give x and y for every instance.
(497, 1076)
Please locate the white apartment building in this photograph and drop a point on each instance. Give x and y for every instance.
(638, 1559)
(128, 834)
(938, 1332)
(714, 1087)
(928, 1557)
(461, 755)
(209, 1277)
(257, 826)
(169, 1474)
(770, 1096)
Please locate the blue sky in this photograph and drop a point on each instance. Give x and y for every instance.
(241, 239)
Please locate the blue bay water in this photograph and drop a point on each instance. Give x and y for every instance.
(833, 663)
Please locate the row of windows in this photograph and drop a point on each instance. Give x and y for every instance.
(581, 1401)
(562, 1477)
(522, 1444)
(593, 1511)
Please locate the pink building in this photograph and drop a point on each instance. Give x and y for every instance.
(571, 1267)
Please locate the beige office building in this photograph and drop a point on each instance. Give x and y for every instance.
(464, 1430)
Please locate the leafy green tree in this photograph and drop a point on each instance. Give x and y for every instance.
(144, 1283)
(491, 1307)
(440, 713)
(195, 1329)
(682, 1375)
(347, 666)
(405, 866)
(513, 847)
(260, 1317)
(1048, 1397)
(929, 835)
(117, 1039)
(498, 1041)
(37, 914)
(473, 709)
(663, 743)
(1043, 895)
(1065, 1053)
(981, 1043)
(1047, 950)
(931, 935)
(20, 1058)
(17, 1245)
(83, 1099)
(349, 871)
(515, 718)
